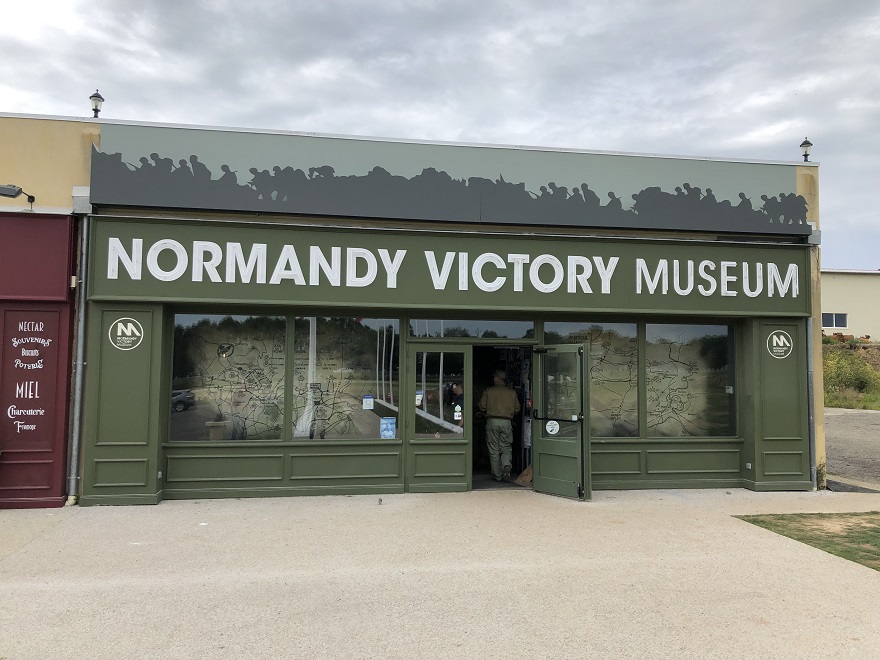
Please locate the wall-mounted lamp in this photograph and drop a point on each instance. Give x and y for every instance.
(12, 191)
(97, 101)
(806, 145)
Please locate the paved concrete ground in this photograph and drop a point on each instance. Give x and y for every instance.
(654, 574)
(853, 446)
(636, 574)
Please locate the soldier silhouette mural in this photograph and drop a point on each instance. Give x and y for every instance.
(435, 195)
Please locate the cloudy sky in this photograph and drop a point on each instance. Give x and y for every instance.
(747, 79)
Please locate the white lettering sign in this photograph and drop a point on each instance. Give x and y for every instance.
(707, 282)
(168, 260)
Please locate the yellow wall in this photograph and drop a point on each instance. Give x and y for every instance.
(853, 294)
(46, 158)
(808, 186)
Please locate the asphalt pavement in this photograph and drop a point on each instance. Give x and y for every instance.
(852, 439)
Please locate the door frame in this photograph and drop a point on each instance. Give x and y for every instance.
(452, 458)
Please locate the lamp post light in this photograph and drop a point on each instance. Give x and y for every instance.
(13, 191)
(806, 145)
(97, 101)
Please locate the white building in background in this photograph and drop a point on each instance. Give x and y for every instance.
(851, 302)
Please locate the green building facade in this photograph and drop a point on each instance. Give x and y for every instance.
(278, 314)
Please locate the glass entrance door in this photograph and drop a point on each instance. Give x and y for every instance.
(559, 450)
(438, 445)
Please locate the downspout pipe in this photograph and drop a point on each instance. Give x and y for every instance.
(79, 365)
(811, 403)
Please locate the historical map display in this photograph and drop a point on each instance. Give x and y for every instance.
(688, 375)
(229, 378)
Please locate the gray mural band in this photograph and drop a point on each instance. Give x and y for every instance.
(155, 181)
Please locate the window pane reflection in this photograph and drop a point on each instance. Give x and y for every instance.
(614, 373)
(227, 378)
(440, 407)
(562, 392)
(345, 378)
(477, 329)
(688, 369)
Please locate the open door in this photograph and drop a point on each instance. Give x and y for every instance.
(558, 438)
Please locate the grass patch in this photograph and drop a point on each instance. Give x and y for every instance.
(853, 536)
(852, 399)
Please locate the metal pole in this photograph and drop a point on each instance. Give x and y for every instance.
(811, 403)
(391, 369)
(384, 344)
(79, 365)
(377, 362)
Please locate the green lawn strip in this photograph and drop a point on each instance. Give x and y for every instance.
(852, 399)
(852, 536)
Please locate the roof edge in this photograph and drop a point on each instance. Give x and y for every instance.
(365, 138)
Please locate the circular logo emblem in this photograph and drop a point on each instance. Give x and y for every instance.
(126, 334)
(552, 427)
(779, 344)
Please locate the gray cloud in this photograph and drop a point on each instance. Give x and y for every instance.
(743, 80)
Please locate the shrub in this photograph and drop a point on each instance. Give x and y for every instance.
(845, 369)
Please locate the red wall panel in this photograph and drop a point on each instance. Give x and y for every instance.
(35, 257)
(35, 336)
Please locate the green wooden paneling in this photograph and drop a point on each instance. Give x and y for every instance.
(782, 442)
(692, 461)
(254, 466)
(613, 462)
(783, 463)
(316, 466)
(121, 472)
(442, 463)
(124, 405)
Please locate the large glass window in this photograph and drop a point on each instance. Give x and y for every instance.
(345, 378)
(227, 378)
(688, 369)
(439, 394)
(479, 329)
(613, 373)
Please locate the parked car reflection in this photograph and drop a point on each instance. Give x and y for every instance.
(182, 400)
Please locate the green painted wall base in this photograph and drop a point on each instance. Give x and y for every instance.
(762, 487)
(115, 500)
(396, 489)
(656, 484)
(438, 488)
(210, 493)
(777, 486)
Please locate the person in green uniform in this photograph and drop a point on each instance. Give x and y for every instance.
(500, 404)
